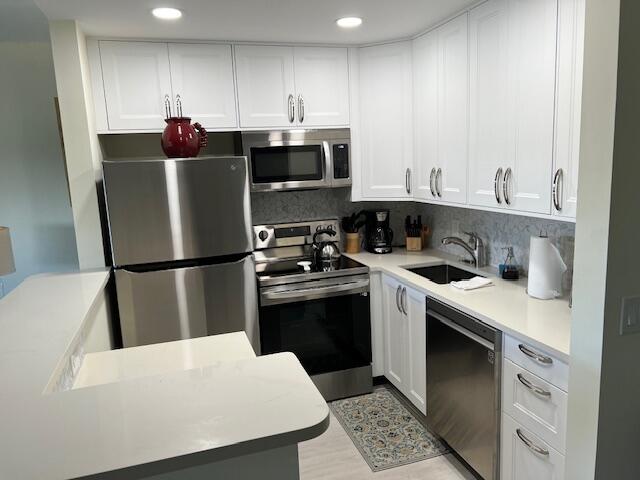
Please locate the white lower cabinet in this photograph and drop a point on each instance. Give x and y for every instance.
(525, 456)
(405, 340)
(534, 413)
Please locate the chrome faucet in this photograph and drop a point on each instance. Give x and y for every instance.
(475, 248)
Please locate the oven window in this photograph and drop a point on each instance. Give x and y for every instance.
(327, 335)
(286, 164)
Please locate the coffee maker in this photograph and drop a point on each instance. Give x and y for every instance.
(378, 234)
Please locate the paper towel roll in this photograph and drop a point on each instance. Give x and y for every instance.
(545, 269)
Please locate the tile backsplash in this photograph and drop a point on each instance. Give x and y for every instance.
(278, 207)
(497, 230)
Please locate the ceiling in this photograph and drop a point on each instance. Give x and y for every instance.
(288, 21)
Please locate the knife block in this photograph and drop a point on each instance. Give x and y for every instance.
(414, 244)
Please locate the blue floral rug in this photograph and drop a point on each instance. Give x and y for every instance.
(384, 431)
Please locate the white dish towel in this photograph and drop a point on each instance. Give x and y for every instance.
(472, 284)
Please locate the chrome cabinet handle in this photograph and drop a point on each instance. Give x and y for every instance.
(292, 107)
(505, 186)
(532, 446)
(407, 180)
(403, 299)
(557, 201)
(167, 106)
(496, 185)
(399, 289)
(534, 388)
(438, 178)
(433, 172)
(538, 357)
(178, 105)
(300, 108)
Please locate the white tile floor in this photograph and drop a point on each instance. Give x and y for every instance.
(333, 456)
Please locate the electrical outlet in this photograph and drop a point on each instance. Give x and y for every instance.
(630, 317)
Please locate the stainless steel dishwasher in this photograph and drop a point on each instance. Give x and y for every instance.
(464, 362)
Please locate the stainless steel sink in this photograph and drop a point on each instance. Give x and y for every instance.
(443, 274)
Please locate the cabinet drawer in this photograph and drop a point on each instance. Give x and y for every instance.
(535, 403)
(537, 361)
(524, 456)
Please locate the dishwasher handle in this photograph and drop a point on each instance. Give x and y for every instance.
(454, 326)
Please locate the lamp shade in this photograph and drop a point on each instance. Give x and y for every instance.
(6, 253)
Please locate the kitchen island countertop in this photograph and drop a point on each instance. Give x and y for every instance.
(134, 423)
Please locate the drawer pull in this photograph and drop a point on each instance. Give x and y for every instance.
(532, 446)
(534, 388)
(535, 355)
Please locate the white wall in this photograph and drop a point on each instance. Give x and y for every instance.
(81, 144)
(604, 389)
(34, 198)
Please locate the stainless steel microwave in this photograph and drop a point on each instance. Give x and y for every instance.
(298, 159)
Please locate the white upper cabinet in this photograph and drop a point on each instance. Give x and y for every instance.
(512, 93)
(322, 86)
(202, 78)
(425, 115)
(568, 107)
(266, 86)
(488, 102)
(292, 86)
(386, 121)
(531, 87)
(440, 86)
(137, 80)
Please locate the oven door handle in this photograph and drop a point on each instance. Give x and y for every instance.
(312, 293)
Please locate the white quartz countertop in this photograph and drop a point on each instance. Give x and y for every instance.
(199, 411)
(504, 305)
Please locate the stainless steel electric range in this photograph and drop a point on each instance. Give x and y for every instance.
(319, 311)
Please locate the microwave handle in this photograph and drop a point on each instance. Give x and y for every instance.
(328, 164)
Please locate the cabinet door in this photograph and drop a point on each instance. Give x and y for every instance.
(425, 115)
(386, 121)
(568, 105)
(531, 87)
(322, 86)
(487, 101)
(416, 351)
(202, 77)
(453, 113)
(266, 90)
(519, 461)
(137, 79)
(394, 333)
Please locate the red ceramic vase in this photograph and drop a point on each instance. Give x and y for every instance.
(180, 139)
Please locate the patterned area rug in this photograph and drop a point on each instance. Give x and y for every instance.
(384, 431)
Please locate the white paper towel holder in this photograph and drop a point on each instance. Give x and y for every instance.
(546, 269)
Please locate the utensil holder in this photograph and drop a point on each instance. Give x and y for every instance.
(352, 244)
(414, 244)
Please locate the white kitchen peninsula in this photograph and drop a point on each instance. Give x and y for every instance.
(190, 413)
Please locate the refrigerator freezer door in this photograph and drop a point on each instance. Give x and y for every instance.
(175, 304)
(177, 209)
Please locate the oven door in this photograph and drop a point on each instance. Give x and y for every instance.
(289, 166)
(326, 323)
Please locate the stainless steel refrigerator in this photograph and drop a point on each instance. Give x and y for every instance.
(182, 243)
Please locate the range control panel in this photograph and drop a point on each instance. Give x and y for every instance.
(293, 234)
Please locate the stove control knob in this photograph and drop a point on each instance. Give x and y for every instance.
(263, 235)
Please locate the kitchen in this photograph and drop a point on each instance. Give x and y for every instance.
(354, 218)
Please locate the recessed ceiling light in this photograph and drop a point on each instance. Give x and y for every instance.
(349, 22)
(166, 13)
